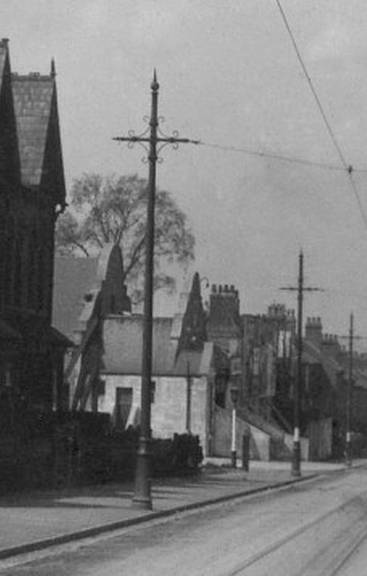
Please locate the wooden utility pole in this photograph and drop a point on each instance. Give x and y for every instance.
(153, 136)
(300, 289)
(348, 431)
(349, 400)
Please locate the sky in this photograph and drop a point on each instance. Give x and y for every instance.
(229, 76)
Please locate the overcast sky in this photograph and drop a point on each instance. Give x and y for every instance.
(228, 75)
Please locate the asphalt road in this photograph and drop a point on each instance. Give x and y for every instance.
(311, 529)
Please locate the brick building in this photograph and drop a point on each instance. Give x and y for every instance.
(32, 194)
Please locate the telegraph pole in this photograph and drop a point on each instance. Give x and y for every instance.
(348, 436)
(348, 417)
(152, 137)
(300, 289)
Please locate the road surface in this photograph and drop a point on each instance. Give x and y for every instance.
(310, 529)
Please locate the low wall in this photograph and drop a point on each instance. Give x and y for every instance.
(222, 437)
(320, 434)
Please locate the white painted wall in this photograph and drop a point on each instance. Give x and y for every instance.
(168, 411)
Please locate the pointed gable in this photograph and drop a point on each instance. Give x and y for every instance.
(38, 133)
(53, 167)
(9, 158)
(193, 330)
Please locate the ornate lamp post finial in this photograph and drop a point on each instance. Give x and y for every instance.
(155, 84)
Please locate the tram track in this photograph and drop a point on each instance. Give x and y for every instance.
(320, 547)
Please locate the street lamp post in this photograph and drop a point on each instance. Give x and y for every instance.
(234, 399)
(142, 496)
(152, 137)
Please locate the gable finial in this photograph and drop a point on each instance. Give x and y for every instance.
(53, 68)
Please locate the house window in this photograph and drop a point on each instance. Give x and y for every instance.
(221, 380)
(123, 403)
(152, 391)
(101, 387)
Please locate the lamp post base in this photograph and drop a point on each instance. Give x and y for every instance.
(234, 459)
(142, 498)
(296, 460)
(348, 454)
(141, 503)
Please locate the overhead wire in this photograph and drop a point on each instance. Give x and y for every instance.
(273, 156)
(347, 167)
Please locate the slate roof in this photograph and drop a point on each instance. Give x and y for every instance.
(313, 355)
(122, 340)
(3, 54)
(33, 95)
(73, 278)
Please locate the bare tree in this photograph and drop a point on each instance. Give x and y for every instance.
(113, 209)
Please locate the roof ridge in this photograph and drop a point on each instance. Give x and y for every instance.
(35, 76)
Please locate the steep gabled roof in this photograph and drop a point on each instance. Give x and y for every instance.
(88, 286)
(3, 60)
(123, 340)
(193, 327)
(32, 100)
(9, 156)
(73, 279)
(38, 132)
(313, 355)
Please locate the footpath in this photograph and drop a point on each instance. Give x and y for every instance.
(37, 520)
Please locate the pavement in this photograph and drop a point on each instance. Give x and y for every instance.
(37, 520)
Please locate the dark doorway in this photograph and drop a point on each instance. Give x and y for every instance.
(123, 403)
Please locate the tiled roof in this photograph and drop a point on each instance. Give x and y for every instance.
(33, 96)
(122, 341)
(73, 278)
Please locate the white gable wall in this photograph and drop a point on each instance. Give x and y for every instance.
(169, 409)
